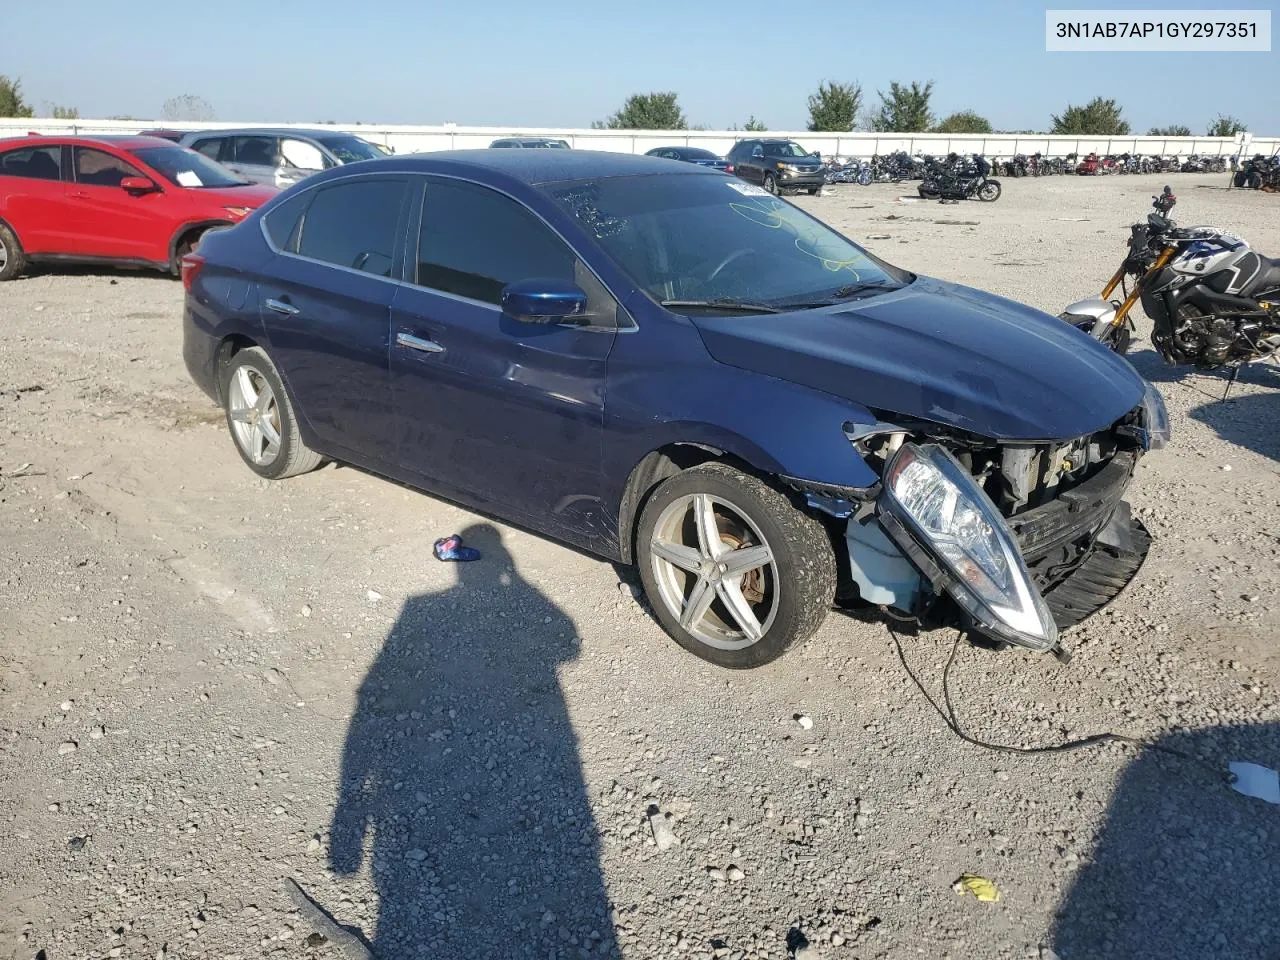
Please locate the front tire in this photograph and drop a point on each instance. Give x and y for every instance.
(1255, 181)
(12, 260)
(770, 183)
(814, 191)
(733, 571)
(261, 419)
(989, 191)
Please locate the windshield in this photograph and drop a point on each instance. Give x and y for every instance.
(789, 149)
(697, 237)
(694, 153)
(351, 149)
(186, 168)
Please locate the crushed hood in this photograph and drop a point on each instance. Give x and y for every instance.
(940, 352)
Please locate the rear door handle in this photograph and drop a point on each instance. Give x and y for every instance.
(279, 306)
(78, 195)
(411, 342)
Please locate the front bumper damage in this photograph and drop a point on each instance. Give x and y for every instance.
(1080, 551)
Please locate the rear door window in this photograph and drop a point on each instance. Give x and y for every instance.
(284, 222)
(211, 148)
(35, 163)
(258, 151)
(101, 169)
(355, 224)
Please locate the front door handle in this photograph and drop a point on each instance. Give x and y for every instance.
(78, 195)
(418, 343)
(280, 306)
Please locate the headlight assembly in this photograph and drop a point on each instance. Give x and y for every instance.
(931, 502)
(1155, 418)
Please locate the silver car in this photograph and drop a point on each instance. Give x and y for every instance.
(281, 157)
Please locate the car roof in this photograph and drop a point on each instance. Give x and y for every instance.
(272, 132)
(119, 141)
(529, 167)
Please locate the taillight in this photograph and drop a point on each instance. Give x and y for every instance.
(190, 265)
(729, 168)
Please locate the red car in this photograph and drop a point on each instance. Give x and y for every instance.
(134, 201)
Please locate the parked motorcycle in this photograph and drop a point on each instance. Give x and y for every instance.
(1213, 302)
(960, 178)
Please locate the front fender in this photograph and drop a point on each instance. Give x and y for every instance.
(776, 427)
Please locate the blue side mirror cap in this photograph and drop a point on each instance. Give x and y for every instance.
(544, 301)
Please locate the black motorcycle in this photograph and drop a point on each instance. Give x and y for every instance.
(960, 178)
(1212, 301)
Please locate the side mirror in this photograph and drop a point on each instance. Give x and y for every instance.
(137, 185)
(543, 301)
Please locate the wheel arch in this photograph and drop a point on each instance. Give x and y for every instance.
(228, 347)
(186, 230)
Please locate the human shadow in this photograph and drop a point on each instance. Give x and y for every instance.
(1249, 420)
(461, 785)
(1185, 866)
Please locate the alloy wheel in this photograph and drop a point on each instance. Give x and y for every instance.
(715, 572)
(4, 255)
(254, 414)
(771, 183)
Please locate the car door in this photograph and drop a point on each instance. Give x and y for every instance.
(33, 200)
(104, 219)
(500, 413)
(325, 302)
(255, 157)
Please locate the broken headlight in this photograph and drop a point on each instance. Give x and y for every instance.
(1155, 418)
(933, 500)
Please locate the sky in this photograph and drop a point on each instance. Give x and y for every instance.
(565, 63)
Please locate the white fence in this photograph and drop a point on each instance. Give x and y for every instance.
(413, 139)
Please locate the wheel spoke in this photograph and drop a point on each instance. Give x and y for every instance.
(241, 414)
(270, 434)
(677, 554)
(244, 381)
(739, 609)
(704, 516)
(695, 608)
(256, 442)
(264, 401)
(746, 558)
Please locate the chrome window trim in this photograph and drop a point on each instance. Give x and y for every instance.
(413, 246)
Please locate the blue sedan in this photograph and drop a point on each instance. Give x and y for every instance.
(672, 368)
(703, 158)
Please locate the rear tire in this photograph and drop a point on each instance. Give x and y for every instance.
(814, 191)
(749, 616)
(261, 419)
(1255, 181)
(12, 260)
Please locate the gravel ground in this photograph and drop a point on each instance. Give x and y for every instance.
(209, 683)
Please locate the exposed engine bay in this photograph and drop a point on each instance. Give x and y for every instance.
(1059, 503)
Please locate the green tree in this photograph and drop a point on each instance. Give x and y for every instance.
(65, 113)
(186, 107)
(834, 106)
(647, 111)
(11, 102)
(905, 109)
(1174, 130)
(1097, 118)
(1225, 125)
(964, 121)
(753, 125)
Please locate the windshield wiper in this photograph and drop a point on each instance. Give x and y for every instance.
(723, 303)
(844, 293)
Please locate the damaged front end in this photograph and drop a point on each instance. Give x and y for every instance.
(1023, 538)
